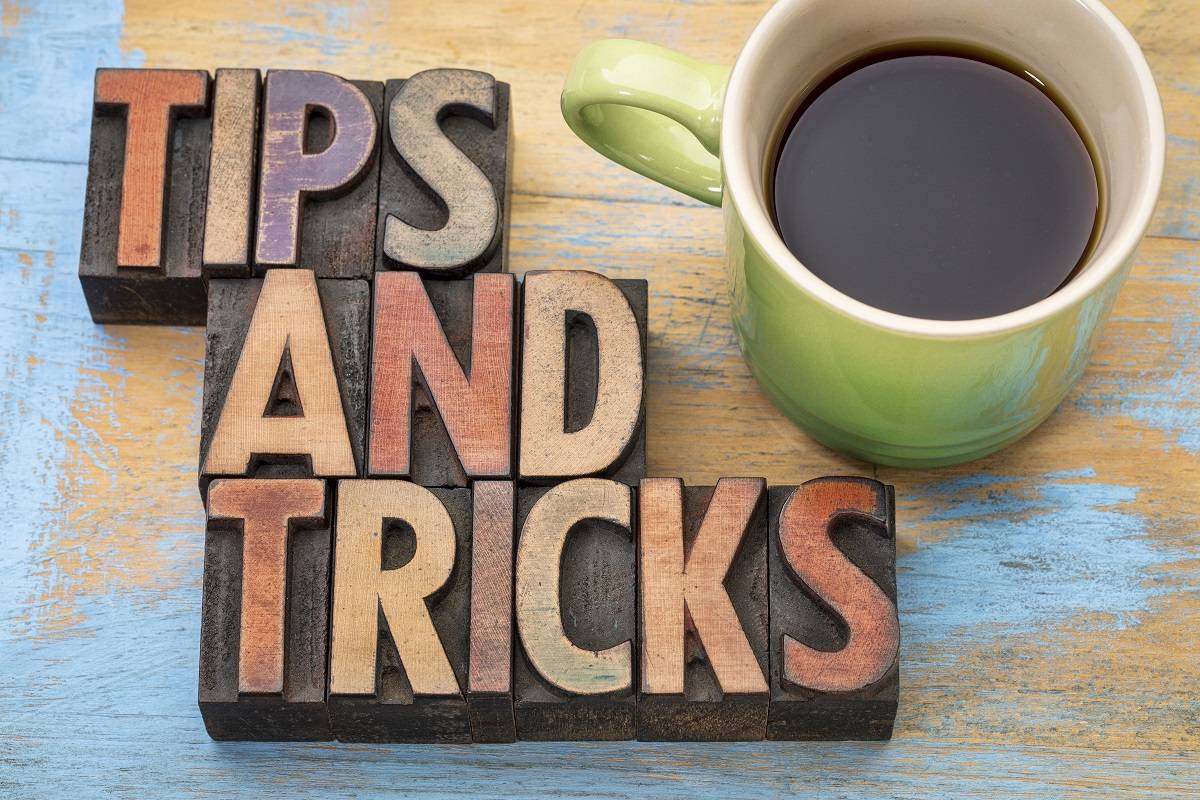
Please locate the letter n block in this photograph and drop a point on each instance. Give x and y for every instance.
(835, 633)
(583, 368)
(399, 639)
(442, 379)
(576, 612)
(444, 185)
(702, 570)
(143, 218)
(284, 377)
(265, 612)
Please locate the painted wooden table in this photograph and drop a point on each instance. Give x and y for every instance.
(1049, 595)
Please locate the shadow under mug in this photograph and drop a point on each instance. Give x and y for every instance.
(880, 386)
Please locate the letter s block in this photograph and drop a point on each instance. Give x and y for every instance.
(444, 185)
(835, 633)
(143, 220)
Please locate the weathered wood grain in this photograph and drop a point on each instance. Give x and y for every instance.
(399, 633)
(232, 173)
(575, 607)
(319, 179)
(265, 615)
(284, 377)
(443, 378)
(702, 573)
(583, 377)
(445, 184)
(1072, 680)
(143, 218)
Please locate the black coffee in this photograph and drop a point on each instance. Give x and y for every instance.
(936, 186)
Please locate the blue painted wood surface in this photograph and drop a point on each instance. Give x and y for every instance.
(1049, 595)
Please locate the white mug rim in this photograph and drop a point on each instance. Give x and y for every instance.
(739, 184)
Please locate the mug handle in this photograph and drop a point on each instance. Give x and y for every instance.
(652, 110)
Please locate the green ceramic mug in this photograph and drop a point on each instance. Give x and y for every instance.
(881, 386)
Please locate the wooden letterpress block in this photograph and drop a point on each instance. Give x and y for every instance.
(139, 261)
(444, 185)
(265, 610)
(576, 612)
(702, 571)
(835, 633)
(489, 673)
(319, 181)
(232, 172)
(284, 377)
(401, 613)
(583, 365)
(429, 421)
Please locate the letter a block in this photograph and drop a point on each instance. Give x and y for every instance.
(265, 610)
(444, 185)
(835, 634)
(576, 612)
(284, 377)
(702, 569)
(583, 370)
(143, 219)
(442, 379)
(319, 183)
(401, 613)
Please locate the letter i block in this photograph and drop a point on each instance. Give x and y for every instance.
(489, 676)
(140, 258)
(399, 638)
(576, 612)
(835, 633)
(284, 377)
(319, 183)
(265, 610)
(442, 379)
(702, 570)
(583, 368)
(444, 185)
(232, 173)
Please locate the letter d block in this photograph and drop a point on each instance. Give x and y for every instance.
(143, 218)
(399, 639)
(583, 368)
(835, 634)
(576, 612)
(284, 377)
(265, 610)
